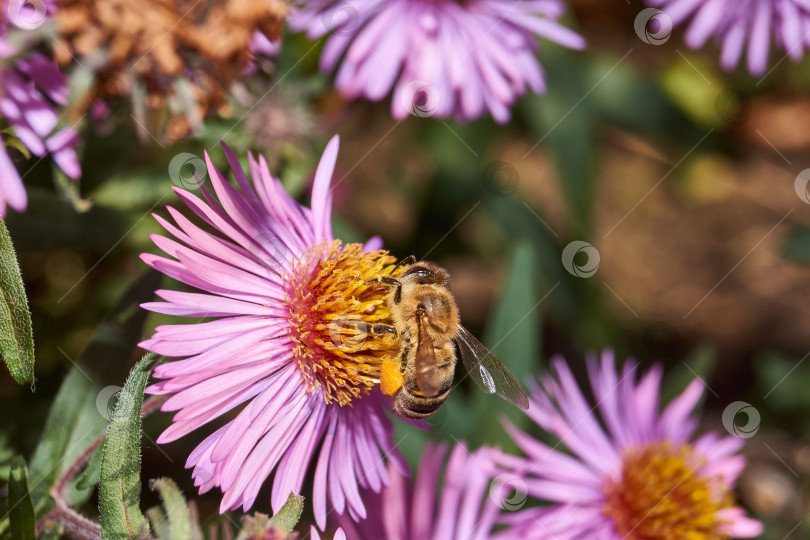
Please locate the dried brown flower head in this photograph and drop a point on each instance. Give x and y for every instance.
(146, 48)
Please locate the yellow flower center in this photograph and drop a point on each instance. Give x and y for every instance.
(338, 321)
(661, 495)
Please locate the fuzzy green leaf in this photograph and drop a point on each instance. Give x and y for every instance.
(261, 526)
(288, 515)
(92, 473)
(21, 510)
(79, 413)
(120, 485)
(177, 514)
(16, 336)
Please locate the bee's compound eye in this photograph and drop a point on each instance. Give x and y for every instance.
(418, 271)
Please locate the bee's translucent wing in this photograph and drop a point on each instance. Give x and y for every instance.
(487, 372)
(428, 377)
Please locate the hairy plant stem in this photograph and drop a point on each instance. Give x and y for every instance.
(73, 524)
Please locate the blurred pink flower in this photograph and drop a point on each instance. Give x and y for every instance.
(442, 58)
(632, 473)
(31, 89)
(459, 507)
(313, 534)
(737, 25)
(291, 348)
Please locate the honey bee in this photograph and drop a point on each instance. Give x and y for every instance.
(425, 316)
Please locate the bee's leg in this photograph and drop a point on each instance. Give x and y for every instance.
(390, 282)
(380, 329)
(407, 261)
(403, 358)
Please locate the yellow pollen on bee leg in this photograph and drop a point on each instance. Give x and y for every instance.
(332, 311)
(390, 377)
(661, 495)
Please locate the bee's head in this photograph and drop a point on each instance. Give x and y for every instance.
(427, 273)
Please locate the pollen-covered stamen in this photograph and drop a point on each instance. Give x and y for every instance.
(333, 315)
(661, 494)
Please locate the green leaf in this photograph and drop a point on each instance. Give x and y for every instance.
(9, 138)
(21, 509)
(77, 416)
(120, 485)
(259, 525)
(796, 246)
(180, 524)
(563, 121)
(700, 363)
(783, 381)
(513, 336)
(16, 336)
(68, 190)
(288, 515)
(92, 473)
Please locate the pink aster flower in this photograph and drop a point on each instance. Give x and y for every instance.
(442, 58)
(31, 89)
(738, 25)
(632, 473)
(313, 534)
(457, 507)
(292, 347)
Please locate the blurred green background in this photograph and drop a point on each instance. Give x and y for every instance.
(682, 177)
